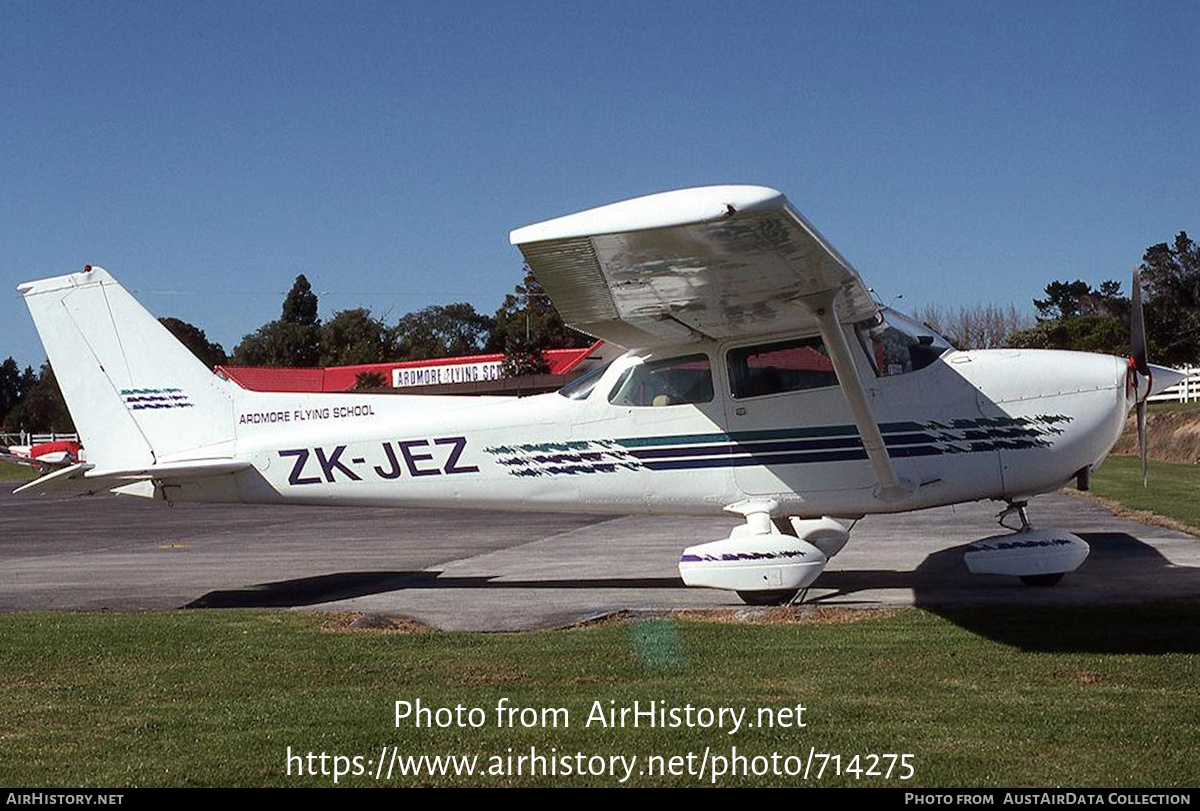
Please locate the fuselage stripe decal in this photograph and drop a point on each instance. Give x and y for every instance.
(782, 459)
(981, 425)
(777, 447)
(838, 443)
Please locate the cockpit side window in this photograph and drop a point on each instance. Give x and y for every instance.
(896, 344)
(668, 382)
(756, 371)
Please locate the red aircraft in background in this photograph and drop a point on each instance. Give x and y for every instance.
(45, 456)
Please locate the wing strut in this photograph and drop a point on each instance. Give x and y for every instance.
(891, 488)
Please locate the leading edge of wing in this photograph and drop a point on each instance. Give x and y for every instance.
(663, 210)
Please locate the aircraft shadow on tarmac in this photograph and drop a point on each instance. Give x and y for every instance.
(1101, 608)
(347, 585)
(1117, 602)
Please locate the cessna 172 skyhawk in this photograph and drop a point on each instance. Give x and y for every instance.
(761, 378)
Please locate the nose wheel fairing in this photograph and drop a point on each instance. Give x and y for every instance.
(1039, 557)
(1034, 555)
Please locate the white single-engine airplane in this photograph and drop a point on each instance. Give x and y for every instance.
(761, 379)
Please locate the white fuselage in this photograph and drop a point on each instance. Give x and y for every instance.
(971, 425)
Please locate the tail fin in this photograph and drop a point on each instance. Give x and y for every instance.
(137, 395)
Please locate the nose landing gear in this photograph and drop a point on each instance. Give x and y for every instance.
(1038, 557)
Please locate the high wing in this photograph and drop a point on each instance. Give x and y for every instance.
(708, 263)
(711, 262)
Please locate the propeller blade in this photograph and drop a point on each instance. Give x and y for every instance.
(1141, 421)
(1137, 326)
(1137, 348)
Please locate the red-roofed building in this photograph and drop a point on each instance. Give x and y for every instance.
(472, 374)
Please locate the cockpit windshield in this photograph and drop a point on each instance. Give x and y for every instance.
(897, 344)
(581, 387)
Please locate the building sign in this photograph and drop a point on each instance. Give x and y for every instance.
(450, 373)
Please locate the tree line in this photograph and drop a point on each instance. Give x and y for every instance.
(523, 327)
(1073, 315)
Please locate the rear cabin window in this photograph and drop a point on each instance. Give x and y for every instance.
(756, 371)
(673, 381)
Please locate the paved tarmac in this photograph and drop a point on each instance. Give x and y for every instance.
(503, 572)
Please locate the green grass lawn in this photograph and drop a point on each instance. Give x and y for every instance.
(1169, 406)
(997, 697)
(16, 473)
(1173, 492)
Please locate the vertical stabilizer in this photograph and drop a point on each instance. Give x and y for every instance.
(137, 395)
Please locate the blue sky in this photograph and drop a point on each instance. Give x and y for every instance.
(206, 153)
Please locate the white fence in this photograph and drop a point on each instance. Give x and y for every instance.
(26, 438)
(1186, 391)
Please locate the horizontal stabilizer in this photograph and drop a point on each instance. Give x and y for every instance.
(85, 479)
